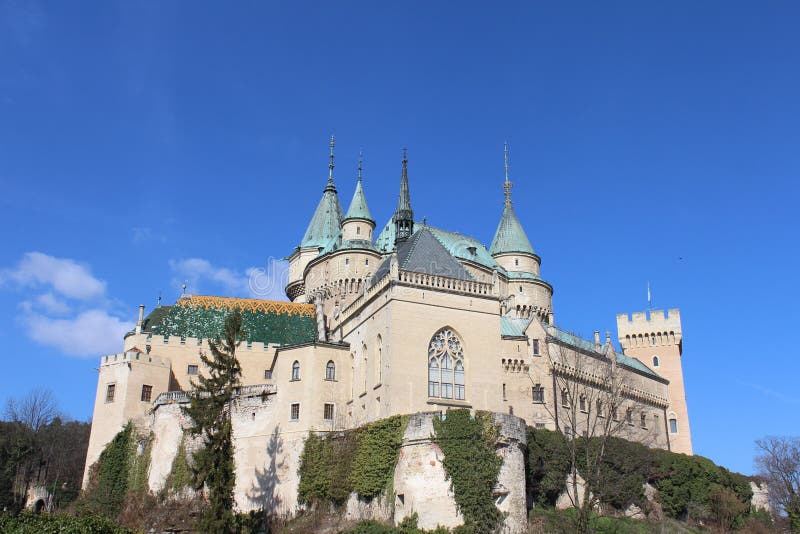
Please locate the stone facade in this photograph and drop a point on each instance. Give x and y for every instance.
(401, 323)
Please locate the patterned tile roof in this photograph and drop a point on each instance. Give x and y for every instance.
(265, 321)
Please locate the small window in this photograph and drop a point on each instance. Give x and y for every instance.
(347, 261)
(629, 416)
(599, 408)
(504, 392)
(538, 393)
(330, 371)
(673, 426)
(191, 370)
(366, 261)
(267, 374)
(111, 389)
(643, 418)
(564, 398)
(294, 413)
(582, 403)
(655, 361)
(358, 230)
(539, 425)
(614, 413)
(327, 411)
(520, 289)
(516, 261)
(536, 347)
(296, 370)
(147, 393)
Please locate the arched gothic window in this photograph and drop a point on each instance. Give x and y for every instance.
(330, 371)
(655, 361)
(446, 366)
(296, 370)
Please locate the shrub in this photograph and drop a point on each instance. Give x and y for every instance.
(547, 465)
(28, 523)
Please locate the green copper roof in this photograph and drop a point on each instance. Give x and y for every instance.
(358, 206)
(513, 326)
(264, 321)
(354, 244)
(510, 237)
(327, 219)
(461, 246)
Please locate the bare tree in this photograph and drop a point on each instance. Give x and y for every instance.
(596, 399)
(35, 410)
(779, 464)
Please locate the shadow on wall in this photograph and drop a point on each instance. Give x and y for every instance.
(264, 492)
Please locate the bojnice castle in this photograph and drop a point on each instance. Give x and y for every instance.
(406, 318)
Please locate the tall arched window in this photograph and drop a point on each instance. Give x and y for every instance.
(446, 366)
(330, 371)
(296, 370)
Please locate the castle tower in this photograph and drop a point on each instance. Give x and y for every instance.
(324, 227)
(657, 341)
(358, 223)
(404, 216)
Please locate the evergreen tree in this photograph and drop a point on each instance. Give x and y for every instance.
(209, 410)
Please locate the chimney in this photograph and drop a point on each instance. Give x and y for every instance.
(140, 322)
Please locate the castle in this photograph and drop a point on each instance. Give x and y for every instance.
(414, 319)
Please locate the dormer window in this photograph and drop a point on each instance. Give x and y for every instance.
(472, 250)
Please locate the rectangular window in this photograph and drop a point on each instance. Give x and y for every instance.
(614, 413)
(504, 392)
(673, 426)
(599, 408)
(629, 416)
(644, 421)
(538, 394)
(564, 398)
(459, 392)
(582, 403)
(536, 347)
(147, 393)
(191, 370)
(294, 413)
(110, 390)
(433, 389)
(267, 374)
(327, 411)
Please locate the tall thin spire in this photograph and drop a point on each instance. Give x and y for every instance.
(507, 185)
(331, 165)
(404, 216)
(360, 163)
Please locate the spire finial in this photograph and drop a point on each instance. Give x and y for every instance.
(405, 155)
(360, 163)
(331, 165)
(507, 185)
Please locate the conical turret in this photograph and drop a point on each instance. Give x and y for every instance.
(404, 216)
(509, 237)
(358, 223)
(358, 206)
(327, 219)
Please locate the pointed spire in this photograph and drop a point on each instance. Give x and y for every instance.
(327, 219)
(507, 185)
(404, 216)
(358, 206)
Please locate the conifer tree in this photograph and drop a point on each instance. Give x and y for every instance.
(209, 410)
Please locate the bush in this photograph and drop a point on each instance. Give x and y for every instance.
(547, 465)
(28, 523)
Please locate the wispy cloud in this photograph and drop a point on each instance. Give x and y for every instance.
(201, 276)
(144, 234)
(770, 392)
(52, 304)
(64, 276)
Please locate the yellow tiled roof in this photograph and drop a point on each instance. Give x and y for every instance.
(256, 305)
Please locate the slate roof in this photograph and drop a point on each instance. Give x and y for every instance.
(265, 321)
(510, 237)
(424, 253)
(327, 220)
(458, 245)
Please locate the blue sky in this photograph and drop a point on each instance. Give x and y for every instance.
(147, 143)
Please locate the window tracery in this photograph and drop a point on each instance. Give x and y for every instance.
(446, 366)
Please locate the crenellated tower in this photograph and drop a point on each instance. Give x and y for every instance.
(656, 339)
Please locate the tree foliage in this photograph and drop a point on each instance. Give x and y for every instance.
(209, 411)
(547, 465)
(110, 475)
(472, 466)
(779, 464)
(28, 523)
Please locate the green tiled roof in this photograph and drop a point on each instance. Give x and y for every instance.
(459, 245)
(354, 244)
(327, 219)
(265, 321)
(579, 342)
(513, 326)
(510, 237)
(358, 206)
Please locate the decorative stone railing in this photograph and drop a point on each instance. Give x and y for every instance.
(445, 283)
(177, 397)
(600, 380)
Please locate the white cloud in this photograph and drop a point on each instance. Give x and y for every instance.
(64, 275)
(52, 304)
(256, 282)
(89, 334)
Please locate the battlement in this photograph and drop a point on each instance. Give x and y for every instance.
(654, 328)
(132, 356)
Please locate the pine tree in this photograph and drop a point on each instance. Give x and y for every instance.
(209, 410)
